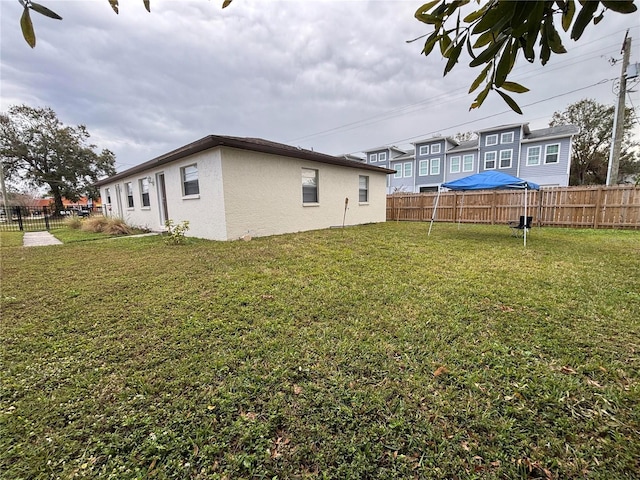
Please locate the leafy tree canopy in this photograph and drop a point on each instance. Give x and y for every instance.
(37, 148)
(497, 31)
(590, 148)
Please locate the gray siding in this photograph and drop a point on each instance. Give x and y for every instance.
(547, 173)
(501, 146)
(428, 155)
(450, 176)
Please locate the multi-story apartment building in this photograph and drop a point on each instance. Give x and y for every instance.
(541, 156)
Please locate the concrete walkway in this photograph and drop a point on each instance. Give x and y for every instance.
(39, 239)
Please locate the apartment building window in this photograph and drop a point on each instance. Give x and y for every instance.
(363, 190)
(435, 166)
(424, 150)
(505, 158)
(506, 137)
(467, 163)
(408, 169)
(435, 148)
(491, 140)
(129, 188)
(454, 164)
(424, 168)
(552, 153)
(382, 157)
(533, 156)
(489, 160)
(309, 185)
(373, 158)
(190, 184)
(398, 168)
(144, 191)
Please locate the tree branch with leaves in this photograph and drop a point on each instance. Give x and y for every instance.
(496, 32)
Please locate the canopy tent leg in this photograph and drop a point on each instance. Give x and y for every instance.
(525, 217)
(433, 214)
(460, 214)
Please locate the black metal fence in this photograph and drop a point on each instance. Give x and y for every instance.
(35, 219)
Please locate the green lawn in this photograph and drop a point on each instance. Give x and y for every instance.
(369, 352)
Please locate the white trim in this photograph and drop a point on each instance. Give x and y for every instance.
(486, 140)
(510, 158)
(435, 148)
(373, 157)
(546, 147)
(423, 150)
(382, 157)
(404, 169)
(502, 140)
(539, 147)
(398, 168)
(425, 164)
(433, 163)
(472, 160)
(459, 159)
(495, 160)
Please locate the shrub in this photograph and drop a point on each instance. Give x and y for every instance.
(176, 232)
(94, 224)
(107, 225)
(73, 222)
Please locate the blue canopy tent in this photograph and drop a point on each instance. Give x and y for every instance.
(488, 180)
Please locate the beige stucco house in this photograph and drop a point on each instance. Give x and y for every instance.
(231, 187)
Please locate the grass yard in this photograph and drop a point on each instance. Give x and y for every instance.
(369, 352)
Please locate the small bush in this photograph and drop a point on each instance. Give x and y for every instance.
(176, 232)
(107, 225)
(73, 222)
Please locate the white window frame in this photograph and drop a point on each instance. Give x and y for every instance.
(464, 159)
(423, 168)
(128, 187)
(494, 160)
(424, 150)
(506, 135)
(546, 154)
(143, 185)
(530, 150)
(373, 157)
(458, 161)
(107, 193)
(398, 168)
(435, 166)
(407, 167)
(363, 191)
(382, 157)
(183, 178)
(310, 173)
(500, 158)
(494, 140)
(435, 148)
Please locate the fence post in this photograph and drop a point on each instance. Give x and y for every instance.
(596, 214)
(46, 218)
(19, 214)
(493, 208)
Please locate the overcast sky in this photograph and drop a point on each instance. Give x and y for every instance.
(335, 76)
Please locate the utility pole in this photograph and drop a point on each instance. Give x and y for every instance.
(618, 119)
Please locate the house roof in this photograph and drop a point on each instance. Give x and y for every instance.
(436, 139)
(559, 131)
(504, 127)
(251, 144)
(466, 145)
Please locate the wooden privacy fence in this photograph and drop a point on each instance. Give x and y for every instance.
(580, 207)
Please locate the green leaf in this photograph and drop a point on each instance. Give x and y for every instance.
(147, 5)
(430, 43)
(226, 3)
(599, 18)
(485, 39)
(534, 21)
(480, 78)
(510, 101)
(429, 18)
(582, 20)
(567, 15)
(454, 54)
(496, 17)
(504, 65)
(549, 30)
(514, 87)
(27, 28)
(481, 97)
(473, 16)
(445, 43)
(114, 5)
(42, 10)
(489, 53)
(620, 6)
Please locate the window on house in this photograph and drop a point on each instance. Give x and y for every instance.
(467, 163)
(454, 164)
(373, 158)
(491, 140)
(533, 156)
(423, 167)
(552, 153)
(398, 168)
(382, 156)
(363, 191)
(505, 158)
(506, 137)
(190, 184)
(435, 166)
(129, 188)
(489, 160)
(144, 191)
(309, 185)
(424, 150)
(435, 148)
(107, 192)
(408, 169)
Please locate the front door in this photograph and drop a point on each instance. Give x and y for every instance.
(162, 198)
